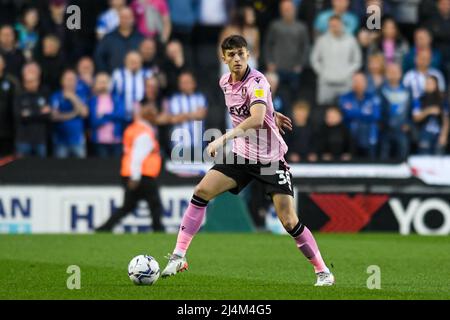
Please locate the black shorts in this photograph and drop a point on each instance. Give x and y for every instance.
(276, 177)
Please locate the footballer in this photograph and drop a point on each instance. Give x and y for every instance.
(249, 102)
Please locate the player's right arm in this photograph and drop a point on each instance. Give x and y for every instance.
(254, 121)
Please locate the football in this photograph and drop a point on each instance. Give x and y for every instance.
(143, 270)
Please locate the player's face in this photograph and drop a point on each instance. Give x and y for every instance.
(236, 59)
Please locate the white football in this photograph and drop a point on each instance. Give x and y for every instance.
(143, 270)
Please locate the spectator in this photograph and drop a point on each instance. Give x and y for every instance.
(28, 34)
(153, 97)
(366, 40)
(375, 74)
(300, 140)
(362, 111)
(336, 56)
(188, 109)
(108, 21)
(33, 115)
(85, 83)
(339, 8)
(113, 48)
(287, 49)
(439, 26)
(153, 18)
(106, 118)
(51, 61)
(149, 54)
(174, 65)
(14, 59)
(183, 14)
(396, 105)
(334, 139)
(68, 113)
(422, 42)
(415, 79)
(391, 43)
(8, 90)
(128, 82)
(432, 117)
(55, 23)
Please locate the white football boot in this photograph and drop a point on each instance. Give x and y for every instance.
(324, 279)
(176, 264)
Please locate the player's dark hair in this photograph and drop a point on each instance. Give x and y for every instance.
(233, 42)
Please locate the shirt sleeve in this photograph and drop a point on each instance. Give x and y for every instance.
(259, 91)
(142, 146)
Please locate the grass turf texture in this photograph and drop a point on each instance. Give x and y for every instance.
(225, 266)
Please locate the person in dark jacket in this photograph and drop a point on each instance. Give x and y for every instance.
(300, 140)
(13, 57)
(431, 114)
(334, 139)
(52, 61)
(112, 49)
(33, 114)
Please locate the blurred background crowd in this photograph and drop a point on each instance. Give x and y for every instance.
(352, 92)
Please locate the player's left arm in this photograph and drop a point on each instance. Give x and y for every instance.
(283, 122)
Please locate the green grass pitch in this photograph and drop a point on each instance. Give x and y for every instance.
(225, 266)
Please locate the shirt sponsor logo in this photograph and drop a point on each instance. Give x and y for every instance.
(240, 111)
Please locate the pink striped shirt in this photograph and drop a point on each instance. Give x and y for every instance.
(263, 145)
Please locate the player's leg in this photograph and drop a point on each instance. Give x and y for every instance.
(150, 190)
(284, 206)
(130, 201)
(212, 184)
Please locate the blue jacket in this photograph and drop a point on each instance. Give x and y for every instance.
(361, 117)
(111, 50)
(69, 132)
(396, 105)
(117, 117)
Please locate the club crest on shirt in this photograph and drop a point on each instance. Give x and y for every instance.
(244, 92)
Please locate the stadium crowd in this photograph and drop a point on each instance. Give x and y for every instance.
(352, 92)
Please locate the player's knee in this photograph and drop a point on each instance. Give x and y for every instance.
(289, 223)
(202, 192)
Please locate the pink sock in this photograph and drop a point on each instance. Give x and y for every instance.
(190, 224)
(308, 246)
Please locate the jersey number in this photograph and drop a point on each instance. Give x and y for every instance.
(284, 177)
